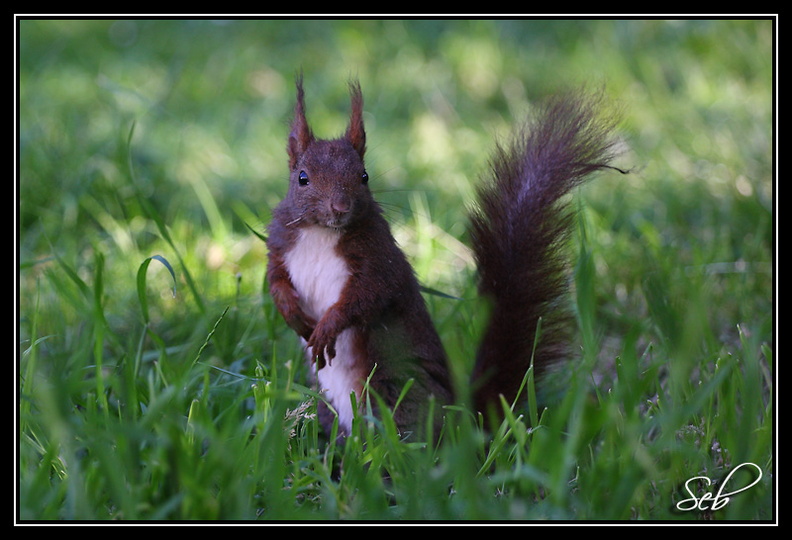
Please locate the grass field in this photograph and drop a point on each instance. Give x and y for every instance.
(155, 381)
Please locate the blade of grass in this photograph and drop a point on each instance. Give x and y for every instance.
(141, 282)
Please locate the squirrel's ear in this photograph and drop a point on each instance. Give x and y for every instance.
(356, 133)
(301, 134)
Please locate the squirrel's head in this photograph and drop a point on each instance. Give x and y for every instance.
(328, 182)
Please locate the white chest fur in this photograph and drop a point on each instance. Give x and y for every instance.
(316, 270)
(319, 275)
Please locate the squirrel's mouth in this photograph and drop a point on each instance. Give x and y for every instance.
(336, 223)
(336, 220)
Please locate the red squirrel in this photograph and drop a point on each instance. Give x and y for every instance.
(341, 282)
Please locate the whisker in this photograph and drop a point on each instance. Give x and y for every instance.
(294, 221)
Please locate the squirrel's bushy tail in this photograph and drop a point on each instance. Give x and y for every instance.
(518, 234)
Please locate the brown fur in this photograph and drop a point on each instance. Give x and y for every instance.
(381, 298)
(518, 230)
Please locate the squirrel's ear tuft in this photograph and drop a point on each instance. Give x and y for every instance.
(356, 133)
(301, 135)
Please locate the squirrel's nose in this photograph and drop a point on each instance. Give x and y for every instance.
(341, 204)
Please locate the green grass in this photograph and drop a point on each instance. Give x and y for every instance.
(157, 382)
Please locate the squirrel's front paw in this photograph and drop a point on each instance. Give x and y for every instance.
(322, 346)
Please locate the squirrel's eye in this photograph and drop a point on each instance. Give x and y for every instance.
(303, 178)
(364, 178)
